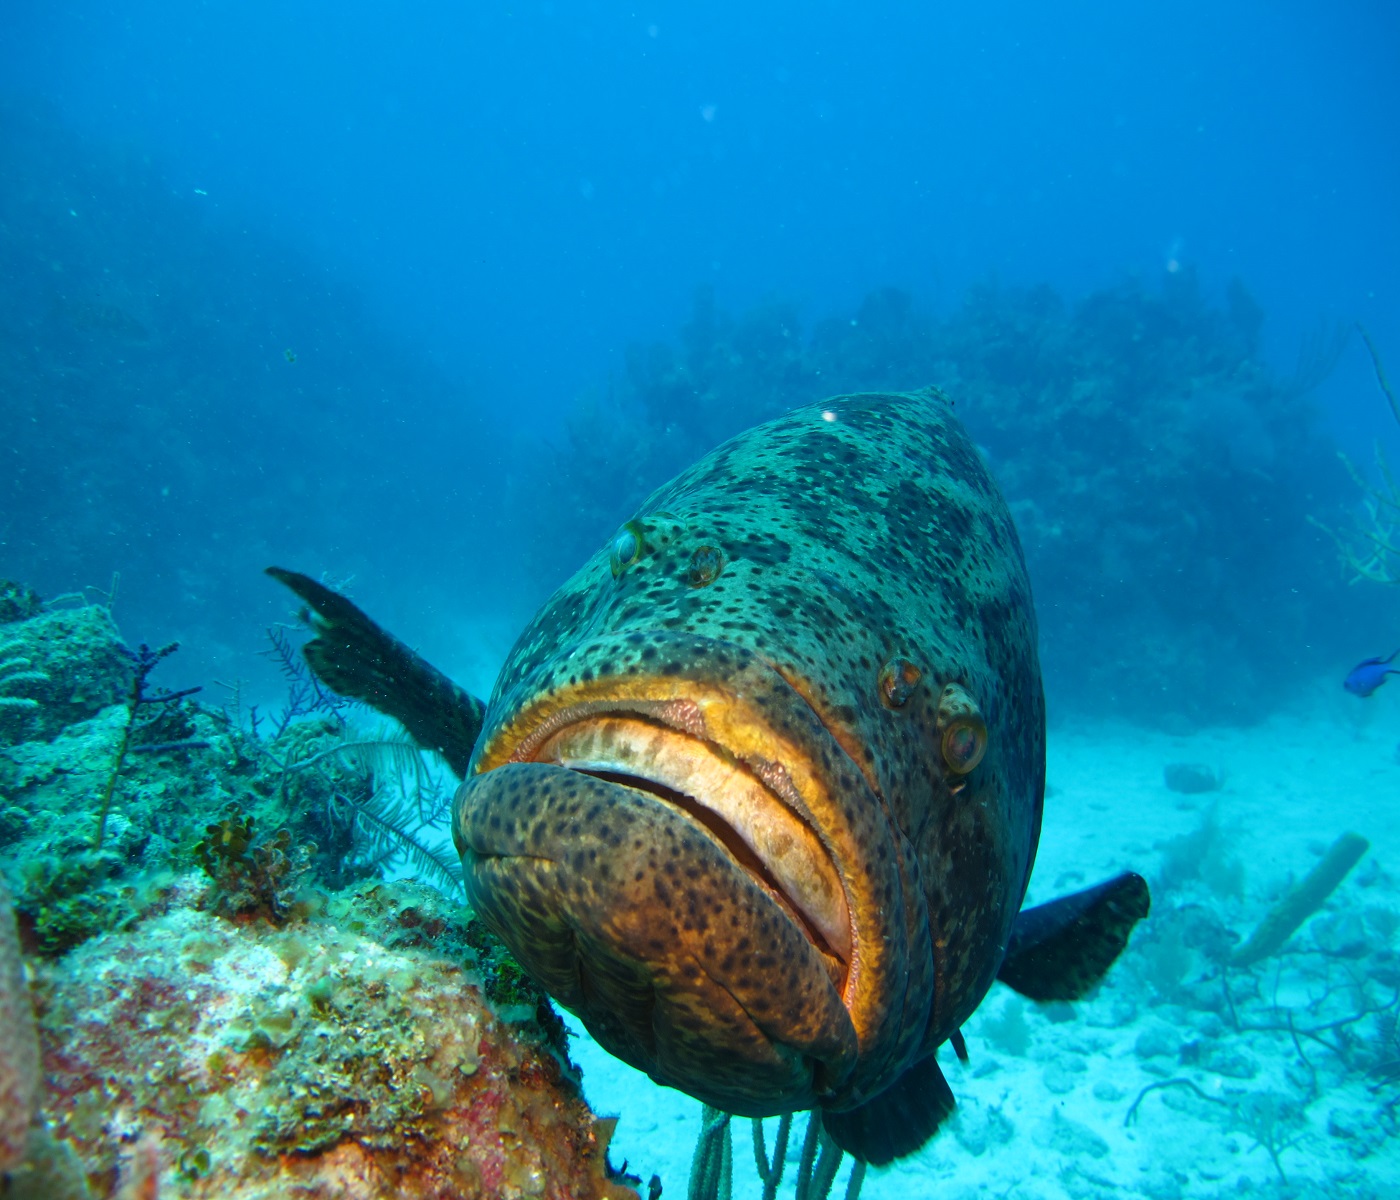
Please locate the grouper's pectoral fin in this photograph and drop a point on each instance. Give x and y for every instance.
(353, 657)
(897, 1121)
(1058, 951)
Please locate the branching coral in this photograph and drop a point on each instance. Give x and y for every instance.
(379, 795)
(150, 774)
(1273, 1121)
(143, 662)
(306, 696)
(371, 796)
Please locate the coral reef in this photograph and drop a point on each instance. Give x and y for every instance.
(231, 1003)
(97, 813)
(344, 1056)
(1161, 475)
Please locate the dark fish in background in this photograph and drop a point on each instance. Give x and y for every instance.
(759, 789)
(1367, 676)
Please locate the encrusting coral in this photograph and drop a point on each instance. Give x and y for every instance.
(343, 1056)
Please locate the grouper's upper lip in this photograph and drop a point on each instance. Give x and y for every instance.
(747, 804)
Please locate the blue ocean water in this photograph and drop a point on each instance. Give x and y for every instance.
(456, 218)
(423, 300)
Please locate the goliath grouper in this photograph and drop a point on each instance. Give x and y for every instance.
(758, 791)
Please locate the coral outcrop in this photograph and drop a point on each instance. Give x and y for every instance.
(344, 1056)
(56, 667)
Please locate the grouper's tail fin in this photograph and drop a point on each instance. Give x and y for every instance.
(353, 657)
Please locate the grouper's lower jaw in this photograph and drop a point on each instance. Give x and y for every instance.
(641, 920)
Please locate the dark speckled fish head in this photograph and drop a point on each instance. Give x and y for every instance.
(759, 788)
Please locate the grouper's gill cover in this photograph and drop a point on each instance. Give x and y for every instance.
(759, 789)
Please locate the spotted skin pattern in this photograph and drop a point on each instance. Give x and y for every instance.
(765, 590)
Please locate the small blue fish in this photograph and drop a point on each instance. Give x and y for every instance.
(1366, 677)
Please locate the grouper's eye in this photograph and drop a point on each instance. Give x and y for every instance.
(961, 730)
(626, 547)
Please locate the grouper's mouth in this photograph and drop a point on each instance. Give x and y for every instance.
(670, 866)
(740, 806)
